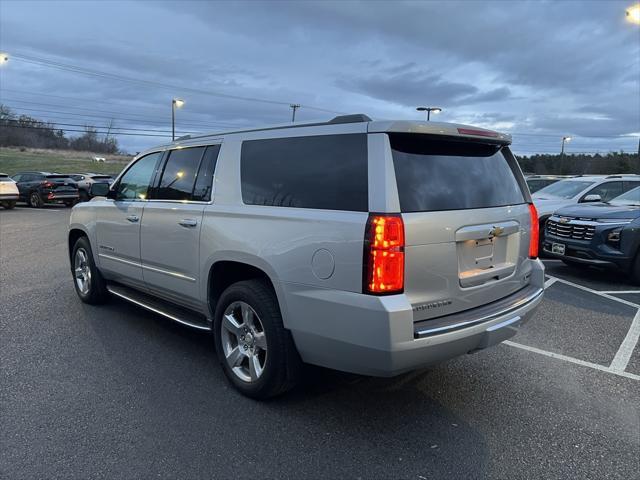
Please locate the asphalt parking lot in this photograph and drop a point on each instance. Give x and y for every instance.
(117, 392)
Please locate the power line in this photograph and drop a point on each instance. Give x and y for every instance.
(93, 126)
(122, 78)
(142, 117)
(129, 120)
(97, 132)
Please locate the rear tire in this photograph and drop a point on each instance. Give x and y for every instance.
(9, 204)
(35, 201)
(69, 203)
(87, 280)
(256, 352)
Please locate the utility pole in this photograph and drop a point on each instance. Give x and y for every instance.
(294, 107)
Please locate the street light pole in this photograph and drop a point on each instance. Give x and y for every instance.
(294, 107)
(175, 103)
(435, 110)
(564, 139)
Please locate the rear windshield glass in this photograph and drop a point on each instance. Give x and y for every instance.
(447, 175)
(5, 179)
(565, 189)
(58, 176)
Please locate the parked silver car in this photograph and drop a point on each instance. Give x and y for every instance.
(85, 180)
(373, 247)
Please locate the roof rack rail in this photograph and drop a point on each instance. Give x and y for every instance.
(184, 137)
(354, 118)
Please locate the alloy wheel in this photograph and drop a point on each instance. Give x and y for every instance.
(82, 271)
(244, 342)
(35, 200)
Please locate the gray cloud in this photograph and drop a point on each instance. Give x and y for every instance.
(538, 67)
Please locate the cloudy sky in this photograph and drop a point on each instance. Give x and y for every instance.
(539, 70)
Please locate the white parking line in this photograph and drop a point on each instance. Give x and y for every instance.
(576, 361)
(615, 292)
(550, 282)
(596, 292)
(621, 360)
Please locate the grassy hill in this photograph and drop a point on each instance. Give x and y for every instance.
(13, 160)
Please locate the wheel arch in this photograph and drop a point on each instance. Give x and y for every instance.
(75, 233)
(224, 271)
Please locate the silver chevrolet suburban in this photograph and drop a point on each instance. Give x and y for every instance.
(373, 247)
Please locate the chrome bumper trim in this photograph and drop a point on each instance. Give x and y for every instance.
(456, 326)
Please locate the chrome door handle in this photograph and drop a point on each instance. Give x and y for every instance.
(133, 218)
(188, 222)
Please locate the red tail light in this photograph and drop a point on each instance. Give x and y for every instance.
(384, 254)
(534, 238)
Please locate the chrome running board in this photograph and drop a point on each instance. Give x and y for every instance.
(175, 313)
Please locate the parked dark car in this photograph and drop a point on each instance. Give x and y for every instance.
(604, 234)
(537, 182)
(85, 180)
(38, 188)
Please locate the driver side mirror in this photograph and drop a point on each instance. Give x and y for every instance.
(592, 198)
(99, 190)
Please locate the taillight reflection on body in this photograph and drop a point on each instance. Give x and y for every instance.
(534, 238)
(384, 254)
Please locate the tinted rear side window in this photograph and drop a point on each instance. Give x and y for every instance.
(204, 181)
(448, 175)
(179, 174)
(325, 172)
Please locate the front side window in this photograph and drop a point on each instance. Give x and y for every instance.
(179, 174)
(607, 190)
(632, 197)
(324, 172)
(564, 189)
(134, 184)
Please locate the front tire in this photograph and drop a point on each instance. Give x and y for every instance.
(256, 352)
(9, 204)
(83, 196)
(635, 269)
(87, 280)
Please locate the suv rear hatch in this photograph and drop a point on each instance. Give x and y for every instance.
(60, 184)
(466, 219)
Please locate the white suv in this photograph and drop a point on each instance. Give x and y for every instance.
(9, 193)
(581, 189)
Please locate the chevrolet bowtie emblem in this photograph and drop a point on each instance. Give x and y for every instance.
(496, 232)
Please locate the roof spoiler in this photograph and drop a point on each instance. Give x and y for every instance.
(355, 118)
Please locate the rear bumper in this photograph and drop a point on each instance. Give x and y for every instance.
(377, 335)
(8, 196)
(55, 197)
